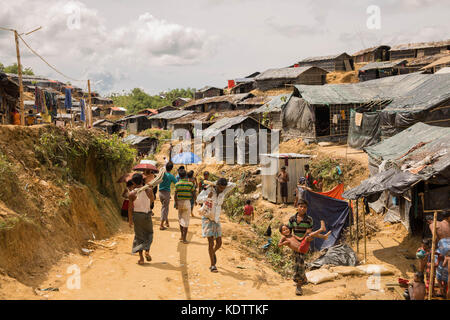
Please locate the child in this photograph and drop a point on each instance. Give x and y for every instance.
(124, 211)
(301, 245)
(191, 178)
(423, 255)
(249, 214)
(417, 290)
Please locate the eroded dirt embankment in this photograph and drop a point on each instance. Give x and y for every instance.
(57, 190)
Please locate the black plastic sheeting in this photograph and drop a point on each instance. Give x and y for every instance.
(367, 134)
(393, 122)
(333, 211)
(338, 255)
(393, 180)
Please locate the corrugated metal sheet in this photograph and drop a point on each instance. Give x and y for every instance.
(133, 139)
(323, 58)
(382, 65)
(221, 125)
(274, 105)
(231, 98)
(443, 71)
(208, 117)
(287, 155)
(169, 115)
(284, 73)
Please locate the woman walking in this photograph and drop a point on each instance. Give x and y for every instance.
(139, 216)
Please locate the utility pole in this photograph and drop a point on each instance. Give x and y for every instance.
(89, 103)
(19, 72)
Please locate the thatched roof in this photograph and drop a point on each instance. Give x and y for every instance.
(421, 45)
(372, 49)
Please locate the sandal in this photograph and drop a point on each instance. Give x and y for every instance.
(148, 257)
(162, 228)
(213, 269)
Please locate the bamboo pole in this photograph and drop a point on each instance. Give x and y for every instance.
(19, 73)
(89, 103)
(350, 221)
(357, 226)
(433, 248)
(365, 237)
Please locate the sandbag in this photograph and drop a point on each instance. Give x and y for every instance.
(347, 271)
(320, 275)
(375, 269)
(338, 255)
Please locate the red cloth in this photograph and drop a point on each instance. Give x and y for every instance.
(248, 210)
(304, 246)
(125, 204)
(335, 193)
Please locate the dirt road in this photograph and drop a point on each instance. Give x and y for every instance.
(180, 271)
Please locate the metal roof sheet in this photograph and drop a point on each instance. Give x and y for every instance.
(274, 105)
(284, 73)
(172, 114)
(381, 65)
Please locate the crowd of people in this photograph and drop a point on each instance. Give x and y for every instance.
(139, 200)
(297, 234)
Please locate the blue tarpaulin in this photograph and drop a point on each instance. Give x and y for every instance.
(185, 158)
(83, 111)
(333, 211)
(68, 100)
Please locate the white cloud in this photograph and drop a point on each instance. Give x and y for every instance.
(75, 34)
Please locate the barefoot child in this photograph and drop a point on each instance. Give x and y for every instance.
(417, 290)
(249, 214)
(301, 245)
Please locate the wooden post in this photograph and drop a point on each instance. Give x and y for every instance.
(19, 73)
(350, 220)
(365, 238)
(433, 249)
(89, 104)
(357, 227)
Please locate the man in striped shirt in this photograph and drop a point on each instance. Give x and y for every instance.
(184, 192)
(301, 224)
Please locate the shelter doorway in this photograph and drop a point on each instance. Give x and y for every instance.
(322, 121)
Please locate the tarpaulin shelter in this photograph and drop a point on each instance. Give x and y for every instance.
(387, 105)
(413, 162)
(333, 211)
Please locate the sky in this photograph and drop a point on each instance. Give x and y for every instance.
(161, 45)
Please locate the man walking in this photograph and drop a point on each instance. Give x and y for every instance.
(164, 195)
(184, 193)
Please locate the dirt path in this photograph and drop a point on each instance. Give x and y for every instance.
(180, 271)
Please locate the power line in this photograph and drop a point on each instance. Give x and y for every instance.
(42, 58)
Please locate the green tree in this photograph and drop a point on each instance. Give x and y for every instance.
(138, 100)
(15, 69)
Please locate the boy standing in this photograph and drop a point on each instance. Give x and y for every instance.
(301, 224)
(283, 179)
(184, 193)
(417, 290)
